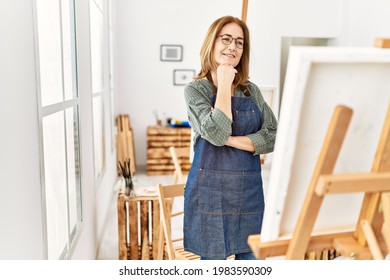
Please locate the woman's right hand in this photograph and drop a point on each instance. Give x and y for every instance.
(225, 75)
(225, 78)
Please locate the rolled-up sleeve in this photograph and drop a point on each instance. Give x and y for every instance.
(211, 123)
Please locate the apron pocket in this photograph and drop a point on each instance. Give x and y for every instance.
(223, 192)
(246, 122)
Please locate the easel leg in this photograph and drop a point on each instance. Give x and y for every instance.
(371, 240)
(386, 216)
(325, 165)
(369, 210)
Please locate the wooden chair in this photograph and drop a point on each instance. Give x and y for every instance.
(165, 196)
(178, 177)
(177, 154)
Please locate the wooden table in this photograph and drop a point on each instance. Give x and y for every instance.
(138, 218)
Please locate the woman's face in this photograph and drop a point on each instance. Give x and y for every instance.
(225, 49)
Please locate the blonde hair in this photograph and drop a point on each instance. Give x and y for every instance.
(208, 62)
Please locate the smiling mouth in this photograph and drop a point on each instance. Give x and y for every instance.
(229, 55)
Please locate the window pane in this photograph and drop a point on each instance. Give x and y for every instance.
(112, 119)
(56, 55)
(68, 50)
(110, 15)
(96, 47)
(50, 59)
(55, 183)
(98, 135)
(112, 73)
(99, 3)
(73, 152)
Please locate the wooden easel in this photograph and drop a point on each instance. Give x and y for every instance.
(125, 142)
(244, 10)
(323, 182)
(386, 217)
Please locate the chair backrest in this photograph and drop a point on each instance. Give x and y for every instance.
(176, 154)
(165, 195)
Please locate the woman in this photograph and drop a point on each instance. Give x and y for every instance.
(233, 125)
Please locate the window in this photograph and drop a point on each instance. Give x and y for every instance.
(58, 107)
(96, 23)
(112, 76)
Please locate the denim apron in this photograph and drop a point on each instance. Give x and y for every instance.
(223, 199)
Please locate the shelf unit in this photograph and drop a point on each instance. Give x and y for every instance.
(159, 140)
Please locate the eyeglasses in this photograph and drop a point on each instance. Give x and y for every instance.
(227, 40)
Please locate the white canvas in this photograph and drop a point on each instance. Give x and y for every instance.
(317, 80)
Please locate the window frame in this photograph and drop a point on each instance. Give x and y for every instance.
(60, 107)
(99, 93)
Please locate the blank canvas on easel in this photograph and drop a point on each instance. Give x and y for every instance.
(318, 79)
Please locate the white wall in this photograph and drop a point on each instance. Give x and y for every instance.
(269, 21)
(362, 21)
(20, 193)
(145, 83)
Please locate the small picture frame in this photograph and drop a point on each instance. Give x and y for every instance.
(171, 53)
(182, 77)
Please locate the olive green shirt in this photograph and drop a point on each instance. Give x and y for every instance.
(214, 126)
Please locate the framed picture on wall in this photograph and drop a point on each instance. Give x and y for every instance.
(182, 77)
(171, 53)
